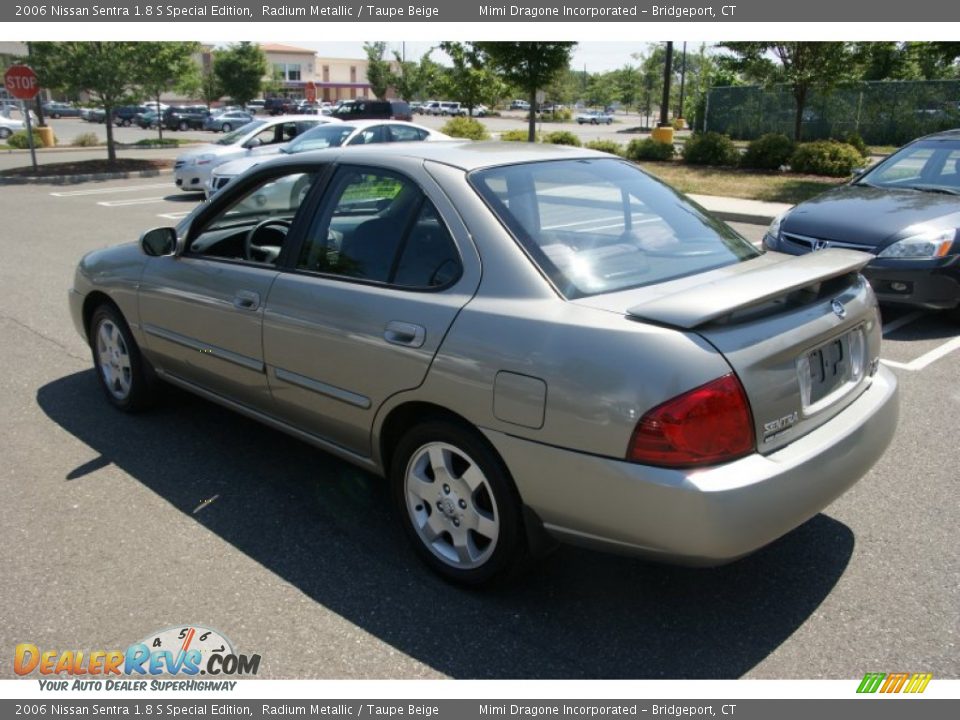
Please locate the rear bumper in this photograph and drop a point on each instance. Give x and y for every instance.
(707, 516)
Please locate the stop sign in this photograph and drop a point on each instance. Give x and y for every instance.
(21, 82)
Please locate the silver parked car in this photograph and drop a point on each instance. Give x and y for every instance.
(531, 343)
(356, 132)
(191, 169)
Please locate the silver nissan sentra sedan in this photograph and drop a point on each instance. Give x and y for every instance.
(530, 342)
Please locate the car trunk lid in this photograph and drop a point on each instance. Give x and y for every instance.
(801, 333)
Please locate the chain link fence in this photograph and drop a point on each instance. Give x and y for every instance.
(882, 113)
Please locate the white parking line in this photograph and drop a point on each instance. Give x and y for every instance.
(132, 201)
(174, 216)
(926, 359)
(107, 191)
(901, 321)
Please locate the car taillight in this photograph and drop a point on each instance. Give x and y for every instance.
(708, 425)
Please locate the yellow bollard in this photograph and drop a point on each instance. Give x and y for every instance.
(663, 134)
(46, 136)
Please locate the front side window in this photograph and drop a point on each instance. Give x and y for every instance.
(379, 226)
(253, 227)
(597, 226)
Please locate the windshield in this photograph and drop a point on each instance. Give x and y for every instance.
(928, 165)
(320, 137)
(597, 226)
(233, 137)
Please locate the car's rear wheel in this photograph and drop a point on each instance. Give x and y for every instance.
(457, 503)
(5, 133)
(123, 375)
(183, 125)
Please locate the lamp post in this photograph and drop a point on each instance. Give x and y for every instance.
(683, 77)
(664, 130)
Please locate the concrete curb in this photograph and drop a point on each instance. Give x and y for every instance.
(87, 177)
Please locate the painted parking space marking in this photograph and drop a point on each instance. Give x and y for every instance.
(926, 359)
(132, 201)
(900, 322)
(174, 215)
(108, 191)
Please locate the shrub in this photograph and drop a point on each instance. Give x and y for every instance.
(562, 137)
(856, 141)
(465, 127)
(768, 152)
(825, 157)
(649, 149)
(710, 149)
(157, 142)
(85, 140)
(607, 146)
(519, 135)
(561, 115)
(19, 140)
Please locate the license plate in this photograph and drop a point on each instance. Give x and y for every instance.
(827, 372)
(829, 368)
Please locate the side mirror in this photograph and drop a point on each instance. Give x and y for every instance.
(857, 172)
(159, 242)
(252, 143)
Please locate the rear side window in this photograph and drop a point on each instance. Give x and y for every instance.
(379, 227)
(597, 226)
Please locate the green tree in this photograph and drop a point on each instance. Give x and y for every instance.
(628, 82)
(209, 89)
(163, 66)
(469, 81)
(566, 87)
(240, 70)
(107, 71)
(603, 89)
(528, 65)
(379, 73)
(802, 65)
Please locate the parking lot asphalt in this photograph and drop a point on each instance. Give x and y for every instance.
(116, 526)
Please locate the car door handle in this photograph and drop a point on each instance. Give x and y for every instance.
(402, 333)
(246, 300)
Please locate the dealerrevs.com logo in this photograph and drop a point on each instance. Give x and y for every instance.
(185, 651)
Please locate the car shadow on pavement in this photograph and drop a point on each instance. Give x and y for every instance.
(326, 527)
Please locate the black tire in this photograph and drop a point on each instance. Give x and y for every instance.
(454, 507)
(183, 125)
(5, 133)
(226, 127)
(129, 383)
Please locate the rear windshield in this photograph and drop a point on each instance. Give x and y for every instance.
(597, 225)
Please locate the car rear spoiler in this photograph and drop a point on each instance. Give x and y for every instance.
(755, 285)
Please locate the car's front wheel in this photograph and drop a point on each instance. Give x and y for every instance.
(183, 125)
(226, 127)
(121, 370)
(457, 503)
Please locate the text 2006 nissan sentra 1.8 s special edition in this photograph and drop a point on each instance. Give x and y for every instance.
(529, 342)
